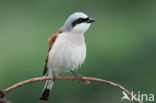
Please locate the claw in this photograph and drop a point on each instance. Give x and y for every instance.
(76, 76)
(54, 77)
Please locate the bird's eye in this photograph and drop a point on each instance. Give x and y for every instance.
(80, 20)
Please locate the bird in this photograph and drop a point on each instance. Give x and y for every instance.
(67, 49)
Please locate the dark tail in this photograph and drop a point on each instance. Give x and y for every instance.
(48, 86)
(45, 94)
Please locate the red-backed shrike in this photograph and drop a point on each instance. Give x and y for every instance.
(67, 48)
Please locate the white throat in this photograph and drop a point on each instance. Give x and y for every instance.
(81, 28)
(75, 37)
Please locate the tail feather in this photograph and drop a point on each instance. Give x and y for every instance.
(47, 88)
(45, 94)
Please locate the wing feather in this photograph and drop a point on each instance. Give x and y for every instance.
(51, 41)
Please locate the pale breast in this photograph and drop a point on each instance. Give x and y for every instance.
(67, 53)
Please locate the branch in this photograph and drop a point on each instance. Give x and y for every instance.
(84, 79)
(3, 100)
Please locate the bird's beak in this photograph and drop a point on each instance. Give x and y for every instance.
(91, 20)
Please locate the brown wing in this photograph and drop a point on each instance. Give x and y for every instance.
(51, 41)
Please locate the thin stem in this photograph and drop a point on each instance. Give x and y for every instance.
(71, 78)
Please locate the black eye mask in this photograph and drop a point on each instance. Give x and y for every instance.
(80, 20)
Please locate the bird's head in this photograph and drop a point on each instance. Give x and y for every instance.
(77, 22)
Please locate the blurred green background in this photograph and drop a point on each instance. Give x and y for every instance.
(121, 47)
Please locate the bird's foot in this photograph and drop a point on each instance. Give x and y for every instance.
(76, 76)
(54, 78)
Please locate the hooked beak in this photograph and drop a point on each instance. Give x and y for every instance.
(91, 20)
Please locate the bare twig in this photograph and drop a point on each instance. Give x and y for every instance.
(3, 100)
(85, 79)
